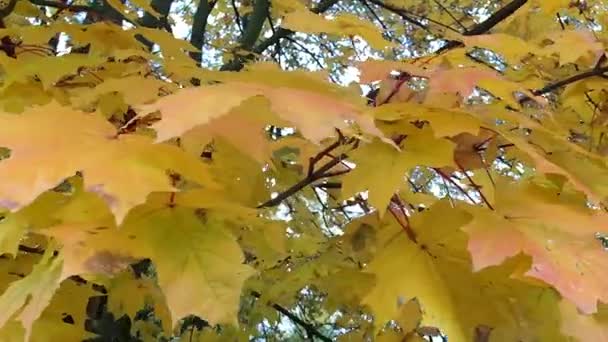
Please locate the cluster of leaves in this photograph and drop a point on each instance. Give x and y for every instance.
(151, 191)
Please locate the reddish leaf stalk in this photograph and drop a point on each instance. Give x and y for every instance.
(477, 187)
(449, 179)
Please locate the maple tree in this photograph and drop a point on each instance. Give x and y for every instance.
(390, 170)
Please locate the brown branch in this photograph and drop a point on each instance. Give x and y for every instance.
(33, 250)
(310, 329)
(449, 13)
(553, 86)
(237, 16)
(313, 160)
(281, 32)
(477, 187)
(406, 16)
(495, 18)
(199, 26)
(64, 6)
(487, 24)
(162, 7)
(313, 176)
(405, 225)
(453, 182)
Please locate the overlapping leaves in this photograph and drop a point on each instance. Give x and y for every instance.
(176, 180)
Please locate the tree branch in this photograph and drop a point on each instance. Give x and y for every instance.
(251, 32)
(199, 25)
(310, 329)
(237, 16)
(64, 6)
(495, 18)
(149, 20)
(162, 7)
(323, 6)
(487, 24)
(313, 176)
(401, 13)
(574, 78)
(255, 23)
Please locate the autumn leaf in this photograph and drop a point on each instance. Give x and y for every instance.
(384, 174)
(60, 156)
(210, 265)
(306, 21)
(316, 116)
(28, 297)
(222, 171)
(560, 238)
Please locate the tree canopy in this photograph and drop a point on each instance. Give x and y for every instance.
(303, 170)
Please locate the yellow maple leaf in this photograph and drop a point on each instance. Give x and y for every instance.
(128, 294)
(581, 326)
(67, 141)
(38, 214)
(571, 45)
(193, 255)
(309, 22)
(404, 270)
(374, 70)
(381, 168)
(445, 122)
(436, 271)
(192, 249)
(511, 47)
(28, 297)
(558, 235)
(315, 113)
(249, 119)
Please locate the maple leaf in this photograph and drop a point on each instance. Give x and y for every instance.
(582, 326)
(47, 69)
(63, 145)
(568, 160)
(571, 45)
(35, 216)
(127, 294)
(435, 269)
(51, 325)
(250, 119)
(513, 100)
(413, 261)
(375, 70)
(381, 168)
(511, 47)
(445, 122)
(28, 297)
(306, 21)
(209, 258)
(314, 113)
(211, 266)
(560, 238)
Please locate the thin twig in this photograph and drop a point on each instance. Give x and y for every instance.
(487, 24)
(453, 182)
(407, 16)
(477, 187)
(443, 8)
(316, 175)
(237, 17)
(309, 328)
(574, 78)
(375, 15)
